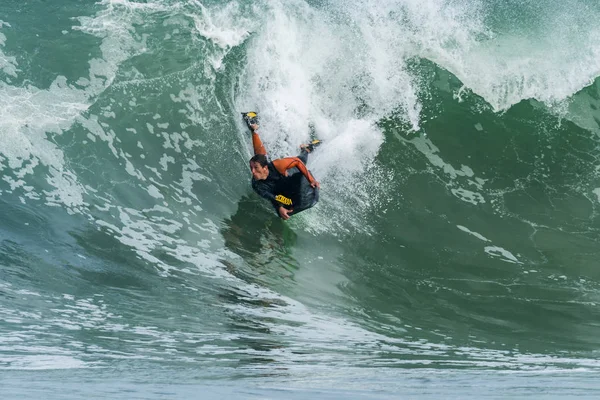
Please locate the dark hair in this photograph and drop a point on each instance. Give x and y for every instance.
(260, 159)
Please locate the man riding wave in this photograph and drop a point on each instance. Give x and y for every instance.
(286, 182)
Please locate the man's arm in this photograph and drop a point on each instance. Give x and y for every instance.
(259, 148)
(283, 164)
(264, 192)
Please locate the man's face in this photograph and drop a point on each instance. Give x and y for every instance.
(259, 172)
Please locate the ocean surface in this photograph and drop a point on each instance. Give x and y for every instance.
(455, 251)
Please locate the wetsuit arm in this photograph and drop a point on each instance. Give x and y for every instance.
(263, 192)
(259, 148)
(283, 164)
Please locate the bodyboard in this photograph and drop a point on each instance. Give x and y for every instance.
(303, 198)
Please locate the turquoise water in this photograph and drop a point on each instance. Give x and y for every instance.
(453, 252)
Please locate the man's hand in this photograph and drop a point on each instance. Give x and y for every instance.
(253, 127)
(315, 184)
(284, 213)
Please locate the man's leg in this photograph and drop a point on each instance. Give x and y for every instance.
(307, 148)
(303, 155)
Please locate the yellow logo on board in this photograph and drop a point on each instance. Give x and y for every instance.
(284, 200)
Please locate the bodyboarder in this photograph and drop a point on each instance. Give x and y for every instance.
(285, 182)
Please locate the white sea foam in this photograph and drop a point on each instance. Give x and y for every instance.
(477, 235)
(304, 65)
(545, 58)
(226, 26)
(28, 114)
(597, 193)
(503, 254)
(8, 64)
(548, 57)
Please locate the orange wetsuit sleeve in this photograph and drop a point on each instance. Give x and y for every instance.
(283, 164)
(257, 144)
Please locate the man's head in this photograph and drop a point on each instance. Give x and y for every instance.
(259, 167)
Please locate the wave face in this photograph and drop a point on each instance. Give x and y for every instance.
(458, 228)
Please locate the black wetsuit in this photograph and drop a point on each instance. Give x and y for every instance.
(295, 186)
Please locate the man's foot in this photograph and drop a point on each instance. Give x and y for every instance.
(251, 119)
(311, 146)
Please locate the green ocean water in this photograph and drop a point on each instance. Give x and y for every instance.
(454, 250)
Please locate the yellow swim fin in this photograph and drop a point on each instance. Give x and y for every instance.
(251, 118)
